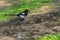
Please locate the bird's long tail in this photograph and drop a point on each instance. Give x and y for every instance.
(10, 14)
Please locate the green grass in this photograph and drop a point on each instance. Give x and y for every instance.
(21, 6)
(50, 37)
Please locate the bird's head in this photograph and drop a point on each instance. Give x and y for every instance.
(26, 11)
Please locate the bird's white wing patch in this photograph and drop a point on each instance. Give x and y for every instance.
(23, 13)
(22, 16)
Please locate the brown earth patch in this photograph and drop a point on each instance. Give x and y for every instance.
(35, 25)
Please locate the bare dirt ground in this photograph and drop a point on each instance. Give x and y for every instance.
(44, 21)
(35, 24)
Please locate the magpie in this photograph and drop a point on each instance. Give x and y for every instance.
(23, 14)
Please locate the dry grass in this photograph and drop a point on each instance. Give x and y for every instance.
(4, 3)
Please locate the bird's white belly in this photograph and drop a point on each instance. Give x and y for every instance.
(22, 16)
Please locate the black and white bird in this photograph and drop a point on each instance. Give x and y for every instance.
(23, 14)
